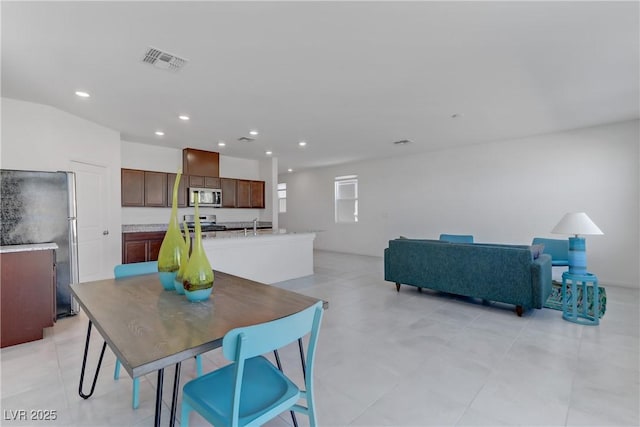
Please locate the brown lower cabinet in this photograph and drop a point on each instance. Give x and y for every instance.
(27, 295)
(141, 247)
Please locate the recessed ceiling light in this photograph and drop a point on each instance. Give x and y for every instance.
(183, 117)
(289, 170)
(159, 133)
(253, 132)
(302, 143)
(268, 153)
(82, 94)
(221, 144)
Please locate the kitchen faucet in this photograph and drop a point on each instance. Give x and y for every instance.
(255, 226)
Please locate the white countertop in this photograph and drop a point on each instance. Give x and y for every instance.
(28, 248)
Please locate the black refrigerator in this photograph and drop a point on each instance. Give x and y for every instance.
(40, 207)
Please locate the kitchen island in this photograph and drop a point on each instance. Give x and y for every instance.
(265, 257)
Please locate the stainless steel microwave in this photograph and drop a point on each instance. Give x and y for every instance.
(207, 197)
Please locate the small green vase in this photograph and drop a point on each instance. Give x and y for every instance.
(184, 260)
(198, 278)
(172, 244)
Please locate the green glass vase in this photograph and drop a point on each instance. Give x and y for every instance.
(198, 278)
(172, 244)
(184, 260)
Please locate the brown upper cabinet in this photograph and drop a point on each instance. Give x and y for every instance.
(228, 186)
(249, 194)
(243, 193)
(155, 189)
(257, 194)
(203, 182)
(182, 189)
(200, 162)
(132, 183)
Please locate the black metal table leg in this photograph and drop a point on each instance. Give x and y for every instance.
(174, 400)
(304, 364)
(159, 398)
(84, 364)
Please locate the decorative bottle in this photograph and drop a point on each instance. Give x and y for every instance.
(184, 260)
(172, 244)
(198, 278)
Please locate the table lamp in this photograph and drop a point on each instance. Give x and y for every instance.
(577, 223)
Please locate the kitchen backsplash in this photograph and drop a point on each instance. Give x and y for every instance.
(161, 215)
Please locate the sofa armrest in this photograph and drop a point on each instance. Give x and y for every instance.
(541, 279)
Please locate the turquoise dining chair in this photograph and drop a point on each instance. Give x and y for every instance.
(137, 269)
(557, 248)
(456, 238)
(251, 390)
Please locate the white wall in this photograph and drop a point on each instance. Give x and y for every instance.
(162, 159)
(39, 137)
(502, 192)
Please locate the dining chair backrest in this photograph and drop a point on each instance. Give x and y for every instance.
(456, 238)
(557, 248)
(135, 269)
(250, 341)
(245, 343)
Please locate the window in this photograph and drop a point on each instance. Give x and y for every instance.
(282, 197)
(346, 198)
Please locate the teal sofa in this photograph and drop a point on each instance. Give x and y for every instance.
(502, 273)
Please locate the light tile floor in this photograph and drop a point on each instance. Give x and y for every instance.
(384, 359)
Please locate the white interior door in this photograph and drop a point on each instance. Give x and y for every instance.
(93, 232)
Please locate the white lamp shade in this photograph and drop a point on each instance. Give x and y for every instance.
(576, 223)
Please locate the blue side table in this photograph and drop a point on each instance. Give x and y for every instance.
(570, 284)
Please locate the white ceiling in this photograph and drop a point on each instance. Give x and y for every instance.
(348, 78)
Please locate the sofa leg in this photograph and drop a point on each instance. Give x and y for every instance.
(397, 286)
(419, 289)
(519, 310)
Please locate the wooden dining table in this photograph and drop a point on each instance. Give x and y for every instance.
(150, 329)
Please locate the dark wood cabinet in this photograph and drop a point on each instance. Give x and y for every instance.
(228, 186)
(257, 194)
(132, 187)
(249, 194)
(182, 189)
(141, 247)
(243, 193)
(27, 295)
(203, 181)
(155, 189)
(200, 162)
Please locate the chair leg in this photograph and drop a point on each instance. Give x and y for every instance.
(116, 372)
(135, 402)
(184, 416)
(199, 365)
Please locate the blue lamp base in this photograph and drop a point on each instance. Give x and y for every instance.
(577, 255)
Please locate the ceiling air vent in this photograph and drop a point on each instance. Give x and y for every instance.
(163, 60)
(246, 139)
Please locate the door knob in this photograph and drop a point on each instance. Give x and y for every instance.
(105, 232)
